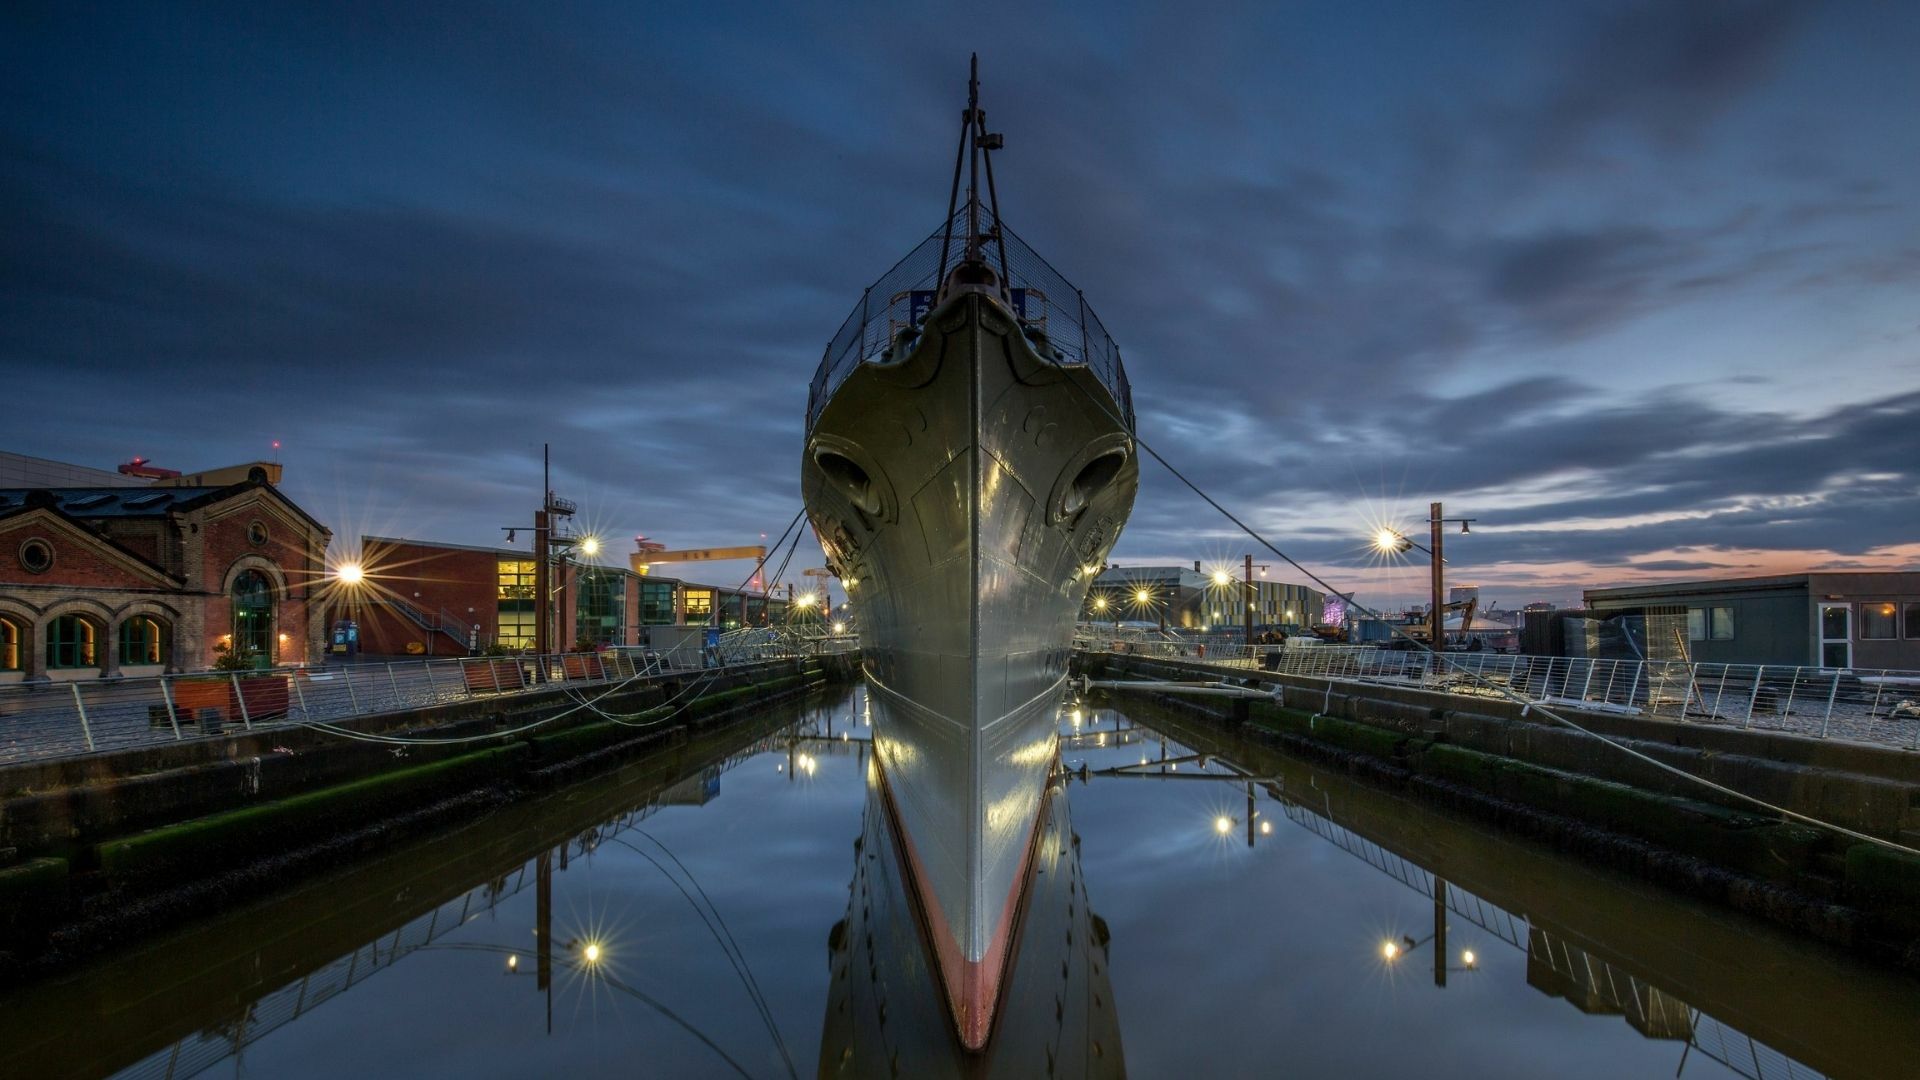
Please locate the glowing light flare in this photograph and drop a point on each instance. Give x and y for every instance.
(350, 573)
(1223, 824)
(589, 545)
(591, 953)
(1220, 577)
(513, 963)
(1266, 828)
(1142, 596)
(839, 628)
(1386, 541)
(1389, 950)
(1099, 603)
(1467, 957)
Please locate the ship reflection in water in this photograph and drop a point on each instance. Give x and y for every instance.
(1267, 917)
(885, 1012)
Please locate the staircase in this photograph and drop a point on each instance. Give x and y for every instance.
(441, 622)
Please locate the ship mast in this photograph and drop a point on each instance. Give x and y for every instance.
(976, 147)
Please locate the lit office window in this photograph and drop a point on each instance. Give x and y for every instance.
(1878, 622)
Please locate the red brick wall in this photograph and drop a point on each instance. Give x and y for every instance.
(450, 579)
(224, 542)
(76, 562)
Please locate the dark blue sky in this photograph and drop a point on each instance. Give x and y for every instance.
(1633, 285)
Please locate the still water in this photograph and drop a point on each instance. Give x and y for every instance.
(732, 907)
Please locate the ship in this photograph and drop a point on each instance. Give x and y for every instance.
(885, 1013)
(968, 466)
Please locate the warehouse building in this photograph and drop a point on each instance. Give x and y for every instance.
(427, 598)
(1817, 619)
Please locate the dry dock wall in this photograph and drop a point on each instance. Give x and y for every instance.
(117, 856)
(1570, 790)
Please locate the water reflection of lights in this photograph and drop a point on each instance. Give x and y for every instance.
(1392, 950)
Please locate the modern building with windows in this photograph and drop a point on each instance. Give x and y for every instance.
(1195, 599)
(427, 598)
(141, 578)
(1853, 619)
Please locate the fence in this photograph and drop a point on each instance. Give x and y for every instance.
(51, 720)
(1871, 706)
(1053, 314)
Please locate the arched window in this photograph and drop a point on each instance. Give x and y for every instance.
(9, 645)
(253, 614)
(143, 641)
(71, 643)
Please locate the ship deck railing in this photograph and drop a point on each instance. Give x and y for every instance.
(1053, 314)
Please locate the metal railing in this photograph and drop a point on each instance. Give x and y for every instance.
(769, 642)
(1053, 315)
(40, 721)
(1872, 706)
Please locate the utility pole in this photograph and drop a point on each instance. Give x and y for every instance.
(1436, 616)
(1252, 593)
(542, 539)
(546, 630)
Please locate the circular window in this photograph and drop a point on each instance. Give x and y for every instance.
(257, 534)
(36, 556)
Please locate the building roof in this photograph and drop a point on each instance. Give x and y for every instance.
(103, 502)
(27, 471)
(1683, 588)
(83, 503)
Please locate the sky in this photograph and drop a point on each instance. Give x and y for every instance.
(1631, 285)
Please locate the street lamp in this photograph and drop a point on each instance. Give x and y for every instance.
(1392, 542)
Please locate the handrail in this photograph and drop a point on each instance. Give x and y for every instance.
(1874, 706)
(1053, 315)
(49, 720)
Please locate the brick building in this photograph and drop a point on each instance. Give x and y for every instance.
(425, 598)
(138, 580)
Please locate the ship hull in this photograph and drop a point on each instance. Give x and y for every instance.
(967, 491)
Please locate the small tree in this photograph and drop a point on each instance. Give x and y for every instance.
(228, 658)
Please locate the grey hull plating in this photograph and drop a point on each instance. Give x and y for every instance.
(965, 491)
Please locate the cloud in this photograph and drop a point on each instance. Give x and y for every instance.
(1510, 267)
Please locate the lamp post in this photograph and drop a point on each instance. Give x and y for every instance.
(1391, 542)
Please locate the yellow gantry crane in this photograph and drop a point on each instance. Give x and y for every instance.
(650, 554)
